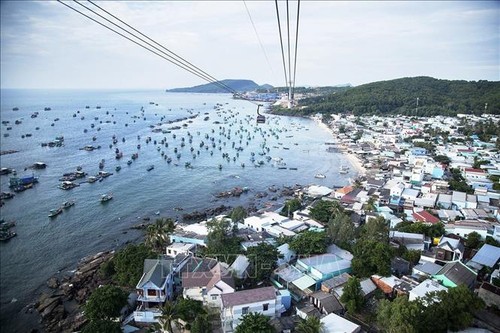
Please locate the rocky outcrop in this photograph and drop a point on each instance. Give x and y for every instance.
(203, 215)
(59, 308)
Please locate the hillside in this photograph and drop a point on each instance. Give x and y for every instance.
(238, 85)
(399, 96)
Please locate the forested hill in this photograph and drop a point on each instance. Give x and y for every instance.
(399, 96)
(237, 85)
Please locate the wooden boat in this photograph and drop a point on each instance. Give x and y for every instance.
(55, 212)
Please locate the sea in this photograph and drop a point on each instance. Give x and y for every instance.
(213, 144)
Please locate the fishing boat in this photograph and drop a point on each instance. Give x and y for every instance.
(118, 168)
(320, 175)
(344, 169)
(92, 179)
(67, 204)
(151, 167)
(6, 235)
(106, 197)
(55, 212)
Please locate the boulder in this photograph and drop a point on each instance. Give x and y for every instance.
(53, 283)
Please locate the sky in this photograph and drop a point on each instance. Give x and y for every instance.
(46, 45)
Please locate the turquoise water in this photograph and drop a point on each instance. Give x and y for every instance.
(44, 246)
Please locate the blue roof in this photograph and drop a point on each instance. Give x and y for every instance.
(487, 255)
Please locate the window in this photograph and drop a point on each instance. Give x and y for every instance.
(214, 297)
(151, 292)
(265, 307)
(244, 310)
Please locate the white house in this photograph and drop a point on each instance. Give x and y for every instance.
(333, 323)
(287, 254)
(180, 248)
(425, 287)
(208, 286)
(264, 221)
(239, 266)
(235, 305)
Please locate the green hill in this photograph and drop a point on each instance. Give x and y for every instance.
(238, 85)
(399, 96)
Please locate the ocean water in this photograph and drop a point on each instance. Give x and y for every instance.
(45, 246)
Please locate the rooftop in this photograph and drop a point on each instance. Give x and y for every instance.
(248, 296)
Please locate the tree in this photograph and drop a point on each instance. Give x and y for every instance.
(413, 256)
(352, 295)
(473, 240)
(105, 303)
(238, 214)
(102, 326)
(309, 242)
(254, 322)
(442, 159)
(398, 316)
(290, 207)
(221, 241)
(369, 206)
(201, 324)
(341, 230)
(323, 210)
(129, 261)
(188, 309)
(376, 229)
(263, 259)
(371, 257)
(169, 316)
(310, 325)
(157, 234)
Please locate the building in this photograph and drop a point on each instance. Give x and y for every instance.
(234, 306)
(455, 273)
(449, 249)
(208, 286)
(333, 323)
(424, 288)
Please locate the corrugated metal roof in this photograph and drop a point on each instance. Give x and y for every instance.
(488, 255)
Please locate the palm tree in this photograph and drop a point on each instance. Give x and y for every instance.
(157, 234)
(369, 206)
(254, 322)
(310, 325)
(168, 317)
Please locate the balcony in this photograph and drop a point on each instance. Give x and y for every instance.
(147, 315)
(152, 299)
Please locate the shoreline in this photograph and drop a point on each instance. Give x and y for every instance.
(352, 158)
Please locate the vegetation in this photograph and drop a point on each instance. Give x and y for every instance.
(105, 303)
(436, 312)
(254, 322)
(399, 96)
(263, 261)
(473, 240)
(310, 325)
(238, 214)
(324, 210)
(129, 262)
(352, 296)
(458, 183)
(341, 231)
(222, 242)
(435, 230)
(309, 243)
(442, 159)
(290, 207)
(157, 234)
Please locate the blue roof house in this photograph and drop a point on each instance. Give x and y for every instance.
(324, 266)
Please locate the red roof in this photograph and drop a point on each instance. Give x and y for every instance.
(474, 170)
(425, 217)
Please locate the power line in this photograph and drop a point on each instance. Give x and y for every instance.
(281, 43)
(296, 43)
(184, 64)
(258, 38)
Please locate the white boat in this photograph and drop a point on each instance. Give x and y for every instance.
(106, 197)
(320, 175)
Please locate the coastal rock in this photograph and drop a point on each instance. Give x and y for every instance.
(46, 301)
(53, 283)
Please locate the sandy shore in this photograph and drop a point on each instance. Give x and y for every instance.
(352, 158)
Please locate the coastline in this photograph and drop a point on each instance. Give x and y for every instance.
(352, 158)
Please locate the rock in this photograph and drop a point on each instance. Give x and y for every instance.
(53, 283)
(46, 312)
(47, 302)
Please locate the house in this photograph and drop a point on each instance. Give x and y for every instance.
(464, 227)
(333, 323)
(239, 266)
(458, 200)
(425, 217)
(287, 253)
(260, 300)
(411, 241)
(264, 221)
(400, 266)
(449, 249)
(326, 303)
(426, 269)
(386, 284)
(490, 294)
(180, 248)
(324, 266)
(472, 174)
(208, 286)
(367, 287)
(335, 282)
(424, 288)
(455, 273)
(488, 255)
(339, 193)
(305, 310)
(153, 289)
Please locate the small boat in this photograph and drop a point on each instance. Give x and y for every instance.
(320, 175)
(118, 168)
(55, 212)
(129, 162)
(6, 235)
(151, 167)
(67, 204)
(92, 179)
(106, 197)
(157, 212)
